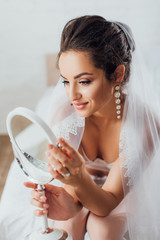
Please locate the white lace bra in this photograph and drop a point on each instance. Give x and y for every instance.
(98, 168)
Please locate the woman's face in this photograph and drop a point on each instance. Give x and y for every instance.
(86, 86)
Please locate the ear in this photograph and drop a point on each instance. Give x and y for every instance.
(119, 73)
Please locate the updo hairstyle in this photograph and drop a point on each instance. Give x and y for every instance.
(104, 41)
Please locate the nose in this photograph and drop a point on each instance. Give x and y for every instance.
(74, 93)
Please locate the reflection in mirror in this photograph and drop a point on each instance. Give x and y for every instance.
(32, 142)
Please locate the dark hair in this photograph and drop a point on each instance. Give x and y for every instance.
(104, 41)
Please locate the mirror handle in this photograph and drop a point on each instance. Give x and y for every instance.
(41, 189)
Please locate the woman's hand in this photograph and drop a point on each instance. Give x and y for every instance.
(57, 203)
(66, 164)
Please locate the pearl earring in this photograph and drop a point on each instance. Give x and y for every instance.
(117, 95)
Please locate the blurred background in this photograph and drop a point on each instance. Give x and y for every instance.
(29, 40)
(30, 33)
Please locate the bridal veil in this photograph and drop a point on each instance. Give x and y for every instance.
(139, 144)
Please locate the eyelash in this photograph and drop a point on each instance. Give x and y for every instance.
(86, 82)
(65, 82)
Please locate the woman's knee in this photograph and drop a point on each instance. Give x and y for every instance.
(109, 227)
(95, 226)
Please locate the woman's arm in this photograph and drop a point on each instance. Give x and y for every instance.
(100, 201)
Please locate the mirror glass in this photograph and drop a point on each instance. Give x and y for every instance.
(31, 140)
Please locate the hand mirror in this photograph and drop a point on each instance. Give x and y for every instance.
(29, 136)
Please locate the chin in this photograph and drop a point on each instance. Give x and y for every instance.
(83, 114)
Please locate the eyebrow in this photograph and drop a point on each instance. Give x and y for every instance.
(80, 75)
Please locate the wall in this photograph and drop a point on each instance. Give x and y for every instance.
(30, 29)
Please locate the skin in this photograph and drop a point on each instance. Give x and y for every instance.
(92, 97)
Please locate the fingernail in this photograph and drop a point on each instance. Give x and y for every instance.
(45, 205)
(49, 165)
(42, 198)
(50, 146)
(45, 211)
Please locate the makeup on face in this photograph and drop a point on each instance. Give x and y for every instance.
(86, 86)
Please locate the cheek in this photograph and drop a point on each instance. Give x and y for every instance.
(90, 93)
(103, 95)
(99, 93)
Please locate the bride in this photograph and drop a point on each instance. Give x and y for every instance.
(107, 152)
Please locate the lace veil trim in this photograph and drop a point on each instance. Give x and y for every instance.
(127, 156)
(69, 125)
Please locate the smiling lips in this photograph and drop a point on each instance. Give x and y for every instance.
(80, 106)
